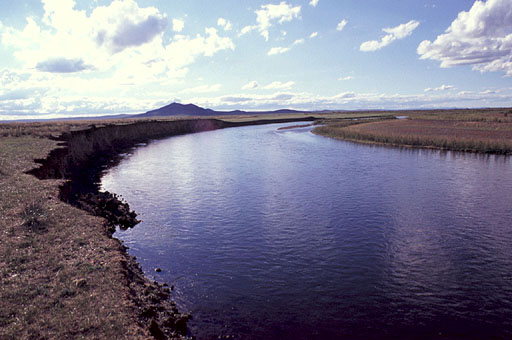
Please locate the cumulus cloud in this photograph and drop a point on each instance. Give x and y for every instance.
(481, 37)
(393, 33)
(62, 65)
(124, 24)
(341, 25)
(68, 33)
(251, 85)
(134, 33)
(121, 38)
(269, 14)
(224, 24)
(313, 3)
(178, 25)
(346, 78)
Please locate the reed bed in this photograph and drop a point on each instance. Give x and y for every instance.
(472, 135)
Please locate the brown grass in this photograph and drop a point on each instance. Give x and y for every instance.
(61, 277)
(487, 131)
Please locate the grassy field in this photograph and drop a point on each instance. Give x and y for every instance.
(60, 276)
(486, 131)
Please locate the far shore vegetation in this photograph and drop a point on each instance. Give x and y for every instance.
(471, 130)
(62, 277)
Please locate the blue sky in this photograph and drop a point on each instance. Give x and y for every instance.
(83, 58)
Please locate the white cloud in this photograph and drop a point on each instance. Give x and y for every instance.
(341, 25)
(277, 85)
(267, 15)
(440, 88)
(250, 85)
(246, 30)
(313, 35)
(346, 78)
(313, 3)
(120, 38)
(481, 37)
(281, 50)
(393, 33)
(278, 50)
(183, 50)
(224, 24)
(178, 25)
(68, 34)
(62, 65)
(121, 25)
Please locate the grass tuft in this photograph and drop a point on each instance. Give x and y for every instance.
(34, 217)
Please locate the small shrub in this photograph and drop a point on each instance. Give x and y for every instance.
(34, 217)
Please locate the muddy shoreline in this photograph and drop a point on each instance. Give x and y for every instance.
(81, 159)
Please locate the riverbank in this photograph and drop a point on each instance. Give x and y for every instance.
(482, 131)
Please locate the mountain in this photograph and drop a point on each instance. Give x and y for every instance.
(177, 109)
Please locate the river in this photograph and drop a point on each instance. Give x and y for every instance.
(282, 234)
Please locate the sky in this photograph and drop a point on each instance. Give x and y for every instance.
(70, 58)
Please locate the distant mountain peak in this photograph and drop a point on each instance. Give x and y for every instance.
(178, 109)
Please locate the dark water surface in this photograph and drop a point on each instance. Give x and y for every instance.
(271, 234)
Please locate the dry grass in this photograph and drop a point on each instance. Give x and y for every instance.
(487, 131)
(61, 277)
(469, 115)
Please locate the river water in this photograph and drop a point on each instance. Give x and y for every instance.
(282, 234)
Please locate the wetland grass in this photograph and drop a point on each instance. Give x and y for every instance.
(484, 131)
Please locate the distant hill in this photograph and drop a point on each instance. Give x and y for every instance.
(177, 109)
